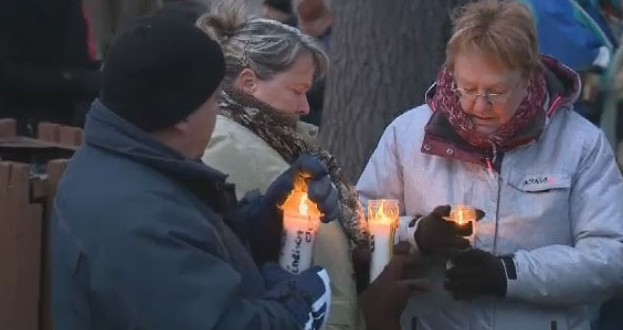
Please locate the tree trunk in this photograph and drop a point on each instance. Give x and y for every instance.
(385, 55)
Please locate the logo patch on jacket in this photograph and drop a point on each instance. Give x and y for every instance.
(538, 182)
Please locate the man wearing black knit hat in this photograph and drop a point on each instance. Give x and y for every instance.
(144, 236)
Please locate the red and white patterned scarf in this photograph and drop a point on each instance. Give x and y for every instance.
(530, 112)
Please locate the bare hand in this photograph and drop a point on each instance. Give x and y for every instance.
(386, 297)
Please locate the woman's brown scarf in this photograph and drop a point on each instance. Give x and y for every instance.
(276, 130)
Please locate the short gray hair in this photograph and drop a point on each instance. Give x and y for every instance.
(265, 46)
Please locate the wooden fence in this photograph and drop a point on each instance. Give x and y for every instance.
(29, 173)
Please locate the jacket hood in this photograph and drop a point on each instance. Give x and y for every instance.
(563, 87)
(563, 84)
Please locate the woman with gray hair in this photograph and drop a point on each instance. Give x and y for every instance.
(269, 69)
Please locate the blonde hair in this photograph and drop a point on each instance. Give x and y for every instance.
(265, 46)
(502, 28)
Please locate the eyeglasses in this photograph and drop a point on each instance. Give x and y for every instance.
(490, 98)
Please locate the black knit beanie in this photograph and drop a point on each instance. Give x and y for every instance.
(160, 71)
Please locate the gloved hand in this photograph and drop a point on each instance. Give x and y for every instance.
(320, 189)
(434, 235)
(307, 295)
(258, 220)
(476, 272)
(386, 297)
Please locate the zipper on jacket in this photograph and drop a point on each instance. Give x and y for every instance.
(490, 167)
(491, 161)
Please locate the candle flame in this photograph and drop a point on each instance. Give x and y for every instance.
(461, 217)
(381, 216)
(298, 200)
(380, 213)
(303, 207)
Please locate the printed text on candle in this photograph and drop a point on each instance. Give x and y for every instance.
(301, 237)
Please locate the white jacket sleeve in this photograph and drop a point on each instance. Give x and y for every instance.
(382, 176)
(592, 269)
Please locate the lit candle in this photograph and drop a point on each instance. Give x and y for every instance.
(301, 219)
(383, 220)
(465, 217)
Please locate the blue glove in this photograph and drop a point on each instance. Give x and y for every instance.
(307, 295)
(320, 189)
(258, 220)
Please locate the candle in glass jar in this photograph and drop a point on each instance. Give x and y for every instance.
(301, 219)
(383, 217)
(465, 217)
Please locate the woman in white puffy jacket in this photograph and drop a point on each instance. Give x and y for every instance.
(498, 132)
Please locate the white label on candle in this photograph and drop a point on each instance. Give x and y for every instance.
(381, 239)
(382, 221)
(299, 235)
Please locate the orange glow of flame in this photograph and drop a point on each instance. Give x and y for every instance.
(462, 215)
(380, 216)
(299, 201)
(460, 218)
(303, 207)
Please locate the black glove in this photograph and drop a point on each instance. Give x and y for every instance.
(386, 297)
(434, 235)
(259, 220)
(476, 272)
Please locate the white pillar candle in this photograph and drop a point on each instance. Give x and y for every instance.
(382, 220)
(301, 219)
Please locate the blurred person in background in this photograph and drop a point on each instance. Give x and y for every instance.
(48, 62)
(314, 18)
(111, 17)
(583, 35)
(279, 10)
(185, 10)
